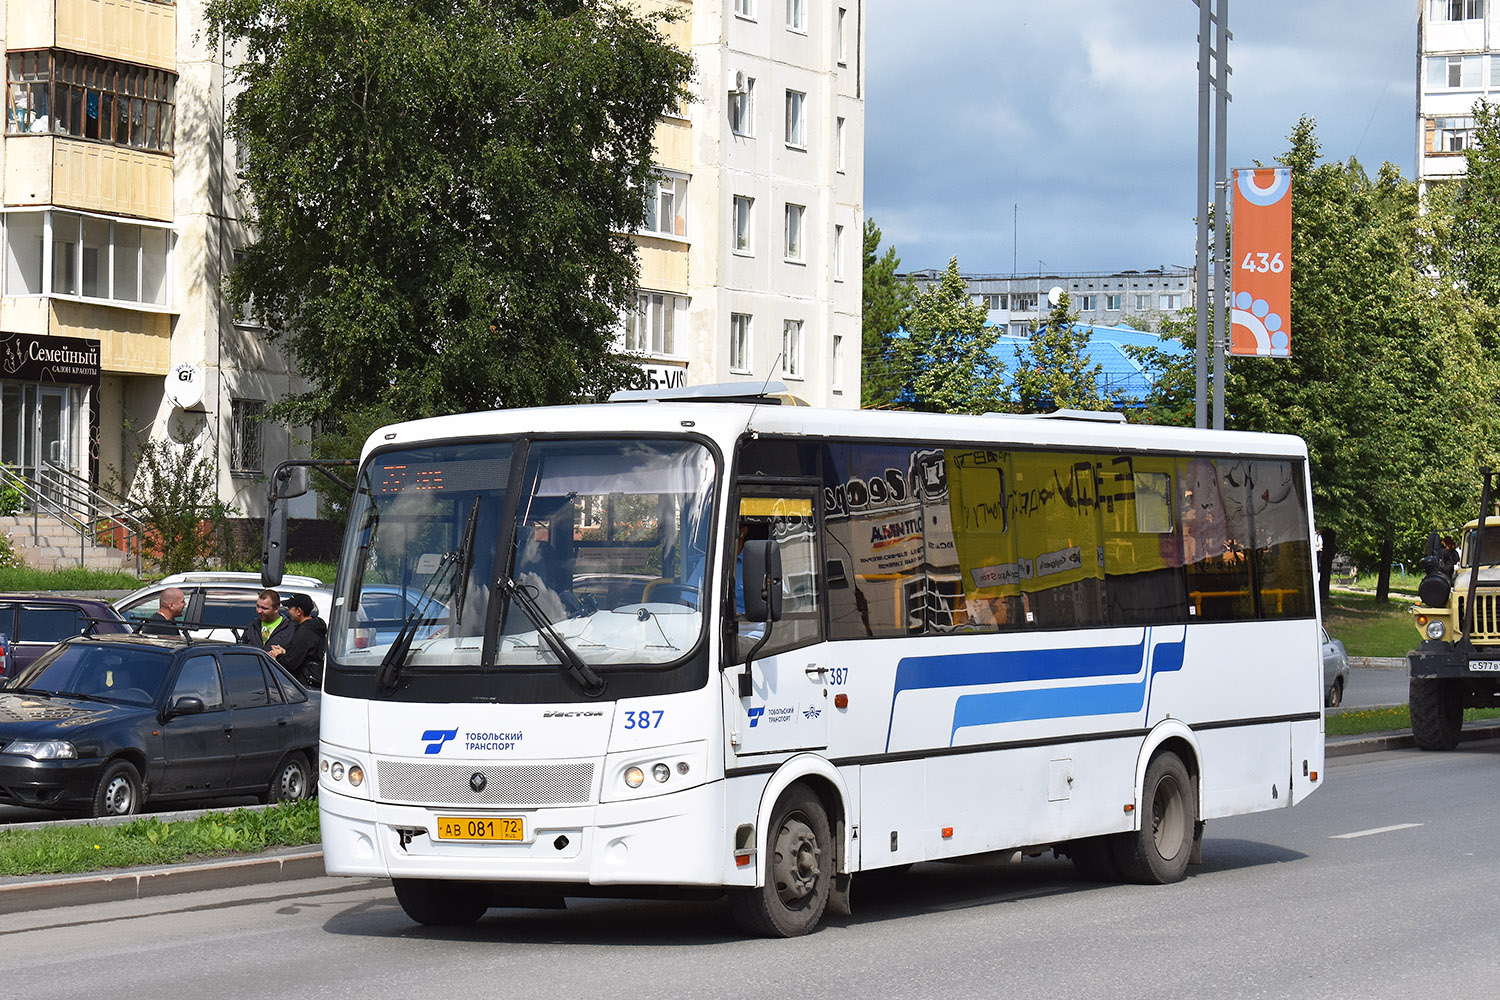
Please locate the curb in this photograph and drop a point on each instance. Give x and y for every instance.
(47, 892)
(1348, 746)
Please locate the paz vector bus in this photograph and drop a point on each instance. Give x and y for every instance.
(694, 642)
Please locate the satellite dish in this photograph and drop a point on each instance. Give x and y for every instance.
(1054, 295)
(185, 386)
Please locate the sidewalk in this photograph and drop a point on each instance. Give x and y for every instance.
(38, 892)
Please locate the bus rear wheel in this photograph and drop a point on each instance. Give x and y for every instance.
(1158, 853)
(799, 871)
(1437, 712)
(441, 903)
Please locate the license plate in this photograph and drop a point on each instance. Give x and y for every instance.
(481, 828)
(1484, 664)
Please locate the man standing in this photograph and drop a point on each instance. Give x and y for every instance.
(168, 610)
(303, 654)
(270, 627)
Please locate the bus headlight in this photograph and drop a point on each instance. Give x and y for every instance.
(672, 769)
(1436, 629)
(341, 772)
(634, 776)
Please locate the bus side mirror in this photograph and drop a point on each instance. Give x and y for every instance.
(761, 569)
(273, 549)
(289, 483)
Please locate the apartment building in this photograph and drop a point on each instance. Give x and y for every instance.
(1017, 301)
(1457, 65)
(119, 217)
(751, 259)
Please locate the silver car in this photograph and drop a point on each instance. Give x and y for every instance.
(1335, 670)
(223, 603)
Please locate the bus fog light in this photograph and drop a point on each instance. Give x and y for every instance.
(682, 767)
(356, 775)
(1436, 629)
(336, 772)
(324, 766)
(634, 776)
(661, 772)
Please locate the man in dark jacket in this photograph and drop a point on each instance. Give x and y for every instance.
(303, 654)
(270, 627)
(168, 609)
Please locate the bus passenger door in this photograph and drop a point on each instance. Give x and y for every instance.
(783, 696)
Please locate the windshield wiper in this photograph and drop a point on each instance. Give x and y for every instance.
(395, 657)
(465, 563)
(591, 682)
(83, 697)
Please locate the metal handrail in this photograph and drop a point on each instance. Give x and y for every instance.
(77, 506)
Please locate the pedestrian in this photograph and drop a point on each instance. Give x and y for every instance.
(270, 627)
(303, 654)
(1449, 556)
(168, 609)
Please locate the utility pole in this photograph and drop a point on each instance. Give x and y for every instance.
(1213, 292)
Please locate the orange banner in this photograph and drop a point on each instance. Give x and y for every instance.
(1260, 324)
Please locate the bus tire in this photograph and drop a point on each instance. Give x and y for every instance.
(1437, 712)
(799, 871)
(441, 903)
(1094, 859)
(1158, 853)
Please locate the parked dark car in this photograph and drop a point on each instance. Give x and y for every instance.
(104, 724)
(32, 624)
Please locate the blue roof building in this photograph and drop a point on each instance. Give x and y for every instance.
(1120, 373)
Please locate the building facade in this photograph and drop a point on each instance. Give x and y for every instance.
(1457, 65)
(1018, 301)
(751, 259)
(119, 217)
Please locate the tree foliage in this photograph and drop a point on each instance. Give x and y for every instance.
(944, 364)
(886, 300)
(1473, 206)
(1055, 373)
(440, 191)
(176, 492)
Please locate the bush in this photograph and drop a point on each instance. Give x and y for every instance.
(187, 525)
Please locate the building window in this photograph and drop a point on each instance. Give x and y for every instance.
(838, 253)
(742, 109)
(995, 300)
(1171, 301)
(739, 342)
(794, 231)
(745, 8)
(840, 145)
(1142, 303)
(1020, 328)
(651, 328)
(794, 128)
(1088, 303)
(89, 98)
(791, 348)
(1452, 71)
(1023, 301)
(1455, 10)
(742, 233)
(666, 200)
(838, 363)
(843, 35)
(1452, 135)
(106, 260)
(246, 417)
(796, 15)
(1112, 302)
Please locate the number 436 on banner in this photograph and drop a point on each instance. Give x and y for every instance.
(1260, 322)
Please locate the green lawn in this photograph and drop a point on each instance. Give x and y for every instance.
(1370, 629)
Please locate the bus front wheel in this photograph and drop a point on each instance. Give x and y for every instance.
(799, 871)
(1158, 853)
(441, 903)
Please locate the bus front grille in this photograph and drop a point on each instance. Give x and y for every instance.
(423, 783)
(1486, 616)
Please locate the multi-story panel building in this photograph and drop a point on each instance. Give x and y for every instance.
(119, 217)
(1017, 301)
(1457, 65)
(750, 265)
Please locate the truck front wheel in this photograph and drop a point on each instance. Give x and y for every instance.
(1437, 712)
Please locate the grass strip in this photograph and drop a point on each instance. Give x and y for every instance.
(1357, 722)
(68, 850)
(24, 579)
(1368, 628)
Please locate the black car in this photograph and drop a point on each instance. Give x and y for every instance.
(104, 724)
(31, 624)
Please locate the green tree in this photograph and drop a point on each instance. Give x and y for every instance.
(1174, 378)
(176, 491)
(1473, 205)
(439, 191)
(886, 302)
(944, 363)
(1055, 373)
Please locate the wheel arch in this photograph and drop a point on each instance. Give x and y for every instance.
(827, 784)
(137, 759)
(1171, 736)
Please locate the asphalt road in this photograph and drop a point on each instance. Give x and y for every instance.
(1371, 687)
(1377, 886)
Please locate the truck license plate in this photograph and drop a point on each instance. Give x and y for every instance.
(1484, 665)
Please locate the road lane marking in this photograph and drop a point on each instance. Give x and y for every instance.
(1371, 833)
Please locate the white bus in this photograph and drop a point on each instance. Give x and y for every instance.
(694, 647)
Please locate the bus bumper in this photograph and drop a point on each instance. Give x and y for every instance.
(670, 840)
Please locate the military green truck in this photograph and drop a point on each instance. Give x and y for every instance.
(1457, 664)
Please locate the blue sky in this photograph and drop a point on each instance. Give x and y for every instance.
(1080, 117)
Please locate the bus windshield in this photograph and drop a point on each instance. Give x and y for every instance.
(604, 551)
